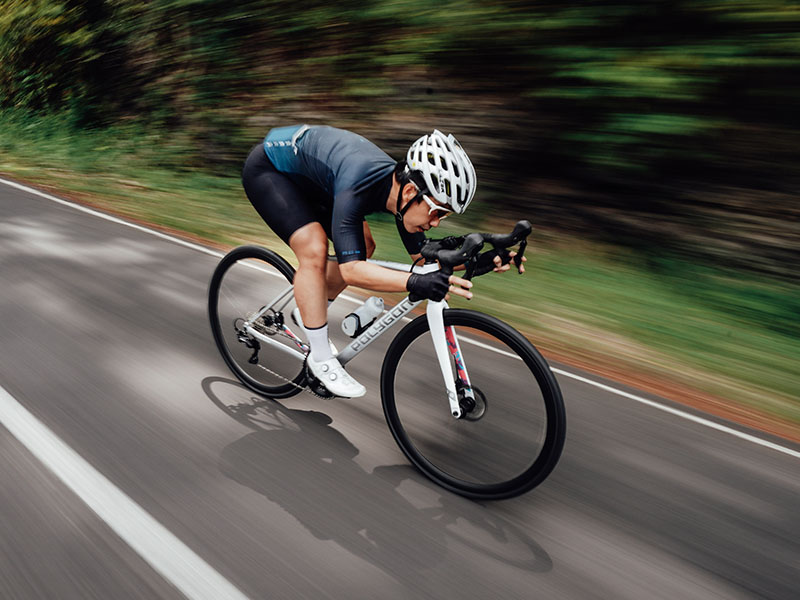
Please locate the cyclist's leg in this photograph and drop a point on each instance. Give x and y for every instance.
(310, 246)
(290, 212)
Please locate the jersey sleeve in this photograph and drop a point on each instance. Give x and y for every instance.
(348, 229)
(412, 241)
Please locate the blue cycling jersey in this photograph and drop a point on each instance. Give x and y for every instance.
(352, 174)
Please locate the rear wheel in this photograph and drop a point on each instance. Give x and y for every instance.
(259, 350)
(512, 432)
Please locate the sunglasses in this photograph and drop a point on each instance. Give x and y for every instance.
(444, 210)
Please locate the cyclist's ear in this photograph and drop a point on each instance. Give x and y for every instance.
(409, 192)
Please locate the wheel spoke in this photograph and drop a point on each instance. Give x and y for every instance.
(512, 429)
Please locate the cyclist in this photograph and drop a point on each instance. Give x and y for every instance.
(315, 183)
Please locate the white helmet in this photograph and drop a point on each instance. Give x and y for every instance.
(445, 169)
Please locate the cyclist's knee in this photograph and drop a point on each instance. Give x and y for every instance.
(310, 245)
(309, 259)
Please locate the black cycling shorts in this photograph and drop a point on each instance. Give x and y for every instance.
(283, 203)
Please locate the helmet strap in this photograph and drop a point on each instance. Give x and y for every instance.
(399, 214)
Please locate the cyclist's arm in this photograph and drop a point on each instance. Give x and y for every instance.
(380, 279)
(351, 252)
(373, 277)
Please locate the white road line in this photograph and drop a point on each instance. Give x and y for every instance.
(651, 403)
(668, 409)
(682, 414)
(170, 557)
(102, 215)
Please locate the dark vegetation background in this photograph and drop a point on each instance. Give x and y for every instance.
(670, 127)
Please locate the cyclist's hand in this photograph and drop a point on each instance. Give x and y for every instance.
(495, 260)
(505, 267)
(457, 285)
(436, 286)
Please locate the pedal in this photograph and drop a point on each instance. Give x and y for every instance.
(315, 385)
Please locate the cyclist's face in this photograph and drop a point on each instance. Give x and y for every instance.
(424, 214)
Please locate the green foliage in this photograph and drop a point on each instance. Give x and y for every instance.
(620, 103)
(581, 65)
(57, 54)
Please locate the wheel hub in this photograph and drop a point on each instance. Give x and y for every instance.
(472, 408)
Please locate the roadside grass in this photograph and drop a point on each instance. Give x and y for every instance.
(726, 333)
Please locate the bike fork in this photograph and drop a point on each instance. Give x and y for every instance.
(446, 343)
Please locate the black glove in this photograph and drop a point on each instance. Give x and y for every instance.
(433, 286)
(486, 261)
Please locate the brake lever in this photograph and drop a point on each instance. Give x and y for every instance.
(451, 242)
(470, 268)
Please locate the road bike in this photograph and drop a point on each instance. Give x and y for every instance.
(469, 400)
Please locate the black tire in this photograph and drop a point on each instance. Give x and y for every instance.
(505, 452)
(237, 290)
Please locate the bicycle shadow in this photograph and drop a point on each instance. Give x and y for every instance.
(296, 459)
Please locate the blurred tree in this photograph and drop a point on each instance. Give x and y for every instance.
(56, 54)
(632, 119)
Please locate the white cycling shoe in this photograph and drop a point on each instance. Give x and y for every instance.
(332, 375)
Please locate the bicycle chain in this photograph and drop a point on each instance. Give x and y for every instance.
(306, 388)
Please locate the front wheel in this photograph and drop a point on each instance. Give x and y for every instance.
(513, 429)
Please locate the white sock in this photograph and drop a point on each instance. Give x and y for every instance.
(318, 340)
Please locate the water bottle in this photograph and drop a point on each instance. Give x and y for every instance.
(362, 317)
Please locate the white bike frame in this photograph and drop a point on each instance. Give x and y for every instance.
(445, 341)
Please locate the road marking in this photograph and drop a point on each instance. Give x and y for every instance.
(102, 215)
(682, 414)
(170, 557)
(662, 407)
(652, 403)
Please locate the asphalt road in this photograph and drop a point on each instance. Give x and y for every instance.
(104, 340)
